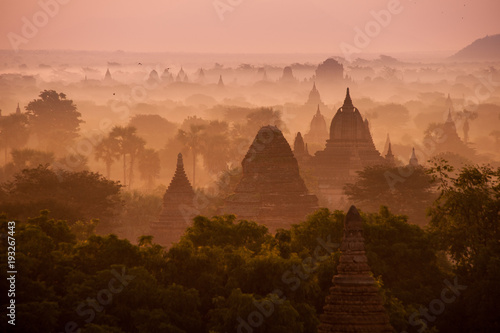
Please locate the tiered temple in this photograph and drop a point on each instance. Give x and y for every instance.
(353, 303)
(271, 190)
(349, 149)
(177, 210)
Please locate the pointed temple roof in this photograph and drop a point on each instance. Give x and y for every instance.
(177, 210)
(314, 96)
(107, 76)
(413, 158)
(389, 157)
(353, 303)
(18, 109)
(271, 190)
(298, 145)
(220, 83)
(350, 146)
(318, 132)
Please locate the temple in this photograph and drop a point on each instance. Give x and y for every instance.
(314, 98)
(153, 78)
(447, 140)
(413, 159)
(271, 190)
(177, 209)
(107, 76)
(349, 149)
(318, 133)
(220, 84)
(300, 150)
(389, 157)
(353, 303)
(287, 76)
(181, 76)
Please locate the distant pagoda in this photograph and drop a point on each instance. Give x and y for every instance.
(353, 303)
(318, 133)
(350, 146)
(348, 150)
(271, 190)
(177, 210)
(314, 97)
(300, 150)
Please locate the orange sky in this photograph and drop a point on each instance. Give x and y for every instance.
(248, 26)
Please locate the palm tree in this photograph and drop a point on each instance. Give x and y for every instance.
(149, 166)
(127, 143)
(107, 150)
(193, 141)
(466, 116)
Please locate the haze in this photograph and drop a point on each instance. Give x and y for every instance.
(255, 26)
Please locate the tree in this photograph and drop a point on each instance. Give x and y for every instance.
(126, 142)
(193, 141)
(466, 116)
(154, 129)
(149, 166)
(72, 196)
(54, 120)
(465, 221)
(108, 151)
(13, 132)
(466, 215)
(406, 190)
(216, 153)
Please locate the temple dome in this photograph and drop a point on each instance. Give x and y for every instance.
(347, 124)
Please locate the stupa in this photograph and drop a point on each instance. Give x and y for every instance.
(353, 303)
(318, 133)
(177, 209)
(271, 190)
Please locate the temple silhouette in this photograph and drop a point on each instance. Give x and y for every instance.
(353, 303)
(177, 210)
(271, 190)
(349, 149)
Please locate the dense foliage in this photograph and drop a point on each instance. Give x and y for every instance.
(226, 275)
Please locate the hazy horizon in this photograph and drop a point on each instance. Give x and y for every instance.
(243, 27)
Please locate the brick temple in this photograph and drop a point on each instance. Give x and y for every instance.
(271, 190)
(353, 303)
(177, 209)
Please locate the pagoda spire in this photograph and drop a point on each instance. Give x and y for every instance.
(353, 303)
(18, 109)
(348, 100)
(413, 158)
(177, 209)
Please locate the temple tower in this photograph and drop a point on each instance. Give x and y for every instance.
(271, 190)
(177, 209)
(353, 303)
(318, 133)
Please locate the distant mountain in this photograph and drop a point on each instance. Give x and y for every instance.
(487, 48)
